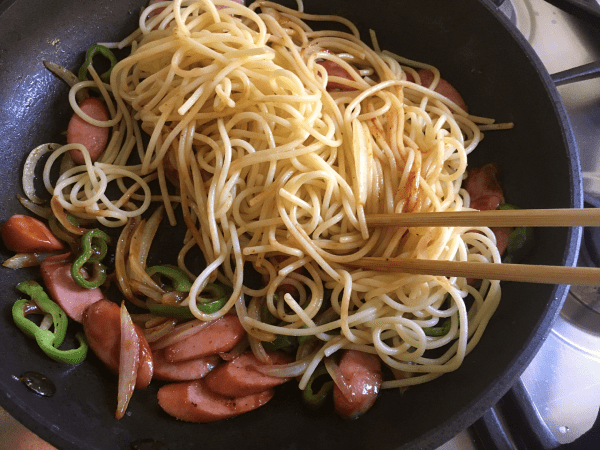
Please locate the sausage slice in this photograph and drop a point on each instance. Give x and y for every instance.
(102, 327)
(26, 234)
(443, 87)
(71, 297)
(193, 369)
(221, 336)
(239, 377)
(92, 137)
(361, 373)
(193, 402)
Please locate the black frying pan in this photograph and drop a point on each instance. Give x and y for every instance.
(499, 76)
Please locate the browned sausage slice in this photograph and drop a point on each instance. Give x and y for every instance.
(26, 234)
(335, 70)
(361, 373)
(239, 377)
(221, 336)
(102, 327)
(443, 87)
(484, 188)
(92, 137)
(193, 369)
(193, 402)
(70, 296)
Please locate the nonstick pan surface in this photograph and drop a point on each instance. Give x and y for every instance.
(498, 75)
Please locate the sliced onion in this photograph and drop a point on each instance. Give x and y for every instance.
(156, 321)
(141, 318)
(21, 260)
(66, 162)
(149, 232)
(259, 350)
(68, 77)
(121, 253)
(46, 322)
(334, 371)
(154, 292)
(304, 350)
(135, 244)
(64, 74)
(141, 240)
(60, 233)
(253, 311)
(236, 351)
(29, 169)
(181, 332)
(173, 297)
(128, 362)
(61, 216)
(294, 369)
(283, 370)
(41, 211)
(159, 331)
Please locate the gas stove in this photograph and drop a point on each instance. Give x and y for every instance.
(555, 403)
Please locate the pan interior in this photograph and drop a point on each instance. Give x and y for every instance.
(497, 74)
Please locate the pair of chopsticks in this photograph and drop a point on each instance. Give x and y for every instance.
(589, 217)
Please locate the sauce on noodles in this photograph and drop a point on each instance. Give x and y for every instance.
(274, 169)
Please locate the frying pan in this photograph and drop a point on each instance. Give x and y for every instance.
(499, 76)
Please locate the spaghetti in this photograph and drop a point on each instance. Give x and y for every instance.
(275, 168)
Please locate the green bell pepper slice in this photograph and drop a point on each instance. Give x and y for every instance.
(48, 341)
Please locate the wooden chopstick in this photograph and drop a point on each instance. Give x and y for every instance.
(588, 217)
(585, 276)
(565, 217)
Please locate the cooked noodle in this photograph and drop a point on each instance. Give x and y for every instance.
(275, 170)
